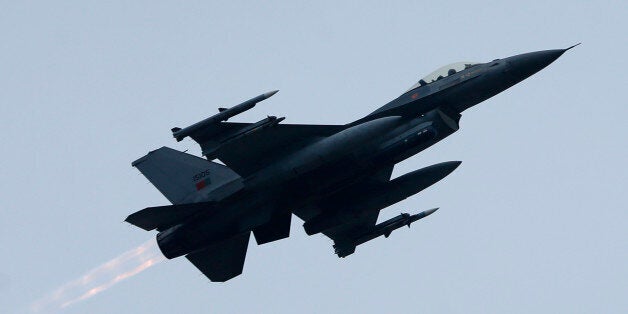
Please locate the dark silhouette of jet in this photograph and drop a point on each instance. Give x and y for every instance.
(336, 178)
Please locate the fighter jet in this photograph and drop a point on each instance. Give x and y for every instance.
(336, 178)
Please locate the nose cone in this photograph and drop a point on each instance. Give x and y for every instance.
(524, 65)
(430, 211)
(438, 171)
(449, 166)
(418, 180)
(270, 94)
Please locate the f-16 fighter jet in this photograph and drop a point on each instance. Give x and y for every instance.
(336, 178)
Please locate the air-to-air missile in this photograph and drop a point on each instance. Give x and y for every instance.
(223, 115)
(382, 229)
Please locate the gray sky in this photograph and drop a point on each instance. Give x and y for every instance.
(534, 220)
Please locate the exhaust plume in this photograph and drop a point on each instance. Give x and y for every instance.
(101, 278)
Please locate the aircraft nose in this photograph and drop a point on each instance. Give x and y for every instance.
(524, 65)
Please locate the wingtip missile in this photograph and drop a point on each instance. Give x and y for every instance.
(223, 115)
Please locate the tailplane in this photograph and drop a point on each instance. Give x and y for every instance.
(177, 174)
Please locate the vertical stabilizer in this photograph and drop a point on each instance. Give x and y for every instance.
(177, 175)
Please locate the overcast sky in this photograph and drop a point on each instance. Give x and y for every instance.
(534, 220)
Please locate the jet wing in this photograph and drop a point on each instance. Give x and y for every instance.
(252, 151)
(222, 261)
(344, 235)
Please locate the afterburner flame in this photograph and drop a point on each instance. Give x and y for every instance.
(101, 278)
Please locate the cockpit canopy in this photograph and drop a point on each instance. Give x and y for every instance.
(443, 72)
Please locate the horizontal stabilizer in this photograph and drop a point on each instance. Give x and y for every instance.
(163, 217)
(224, 260)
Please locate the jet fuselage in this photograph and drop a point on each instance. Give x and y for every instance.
(327, 167)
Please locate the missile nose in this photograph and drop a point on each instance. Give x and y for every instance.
(270, 94)
(430, 211)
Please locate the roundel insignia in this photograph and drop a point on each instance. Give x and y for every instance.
(415, 96)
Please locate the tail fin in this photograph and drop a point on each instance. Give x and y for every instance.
(177, 175)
